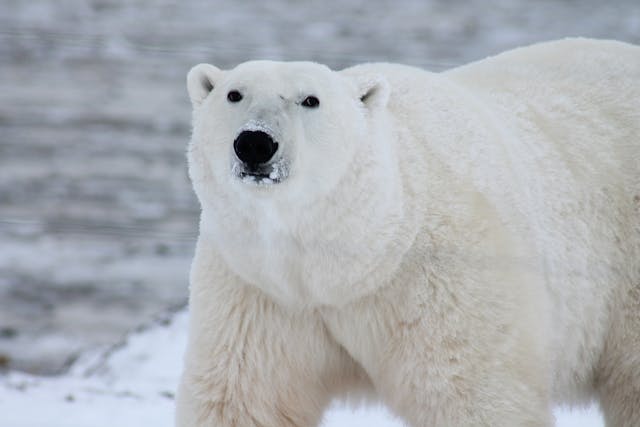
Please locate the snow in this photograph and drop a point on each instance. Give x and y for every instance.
(257, 126)
(133, 385)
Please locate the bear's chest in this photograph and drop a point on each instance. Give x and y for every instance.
(305, 270)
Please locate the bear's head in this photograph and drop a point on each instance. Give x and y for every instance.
(271, 127)
(292, 163)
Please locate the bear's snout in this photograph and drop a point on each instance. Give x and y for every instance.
(254, 148)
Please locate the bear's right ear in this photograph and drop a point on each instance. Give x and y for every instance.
(200, 82)
(371, 88)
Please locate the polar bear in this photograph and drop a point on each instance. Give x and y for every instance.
(464, 246)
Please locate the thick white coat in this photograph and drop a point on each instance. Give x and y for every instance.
(465, 245)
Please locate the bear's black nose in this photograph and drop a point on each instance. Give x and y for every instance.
(254, 147)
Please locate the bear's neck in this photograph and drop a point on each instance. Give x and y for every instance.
(354, 241)
(345, 246)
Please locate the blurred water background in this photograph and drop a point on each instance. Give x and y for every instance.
(97, 216)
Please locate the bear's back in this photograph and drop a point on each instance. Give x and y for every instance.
(583, 95)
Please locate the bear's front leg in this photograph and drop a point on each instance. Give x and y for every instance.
(445, 354)
(251, 362)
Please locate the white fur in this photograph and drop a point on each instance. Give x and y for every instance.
(465, 245)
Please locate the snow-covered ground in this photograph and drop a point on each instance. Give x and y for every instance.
(133, 385)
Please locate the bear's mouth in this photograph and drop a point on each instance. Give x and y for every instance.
(273, 173)
(259, 177)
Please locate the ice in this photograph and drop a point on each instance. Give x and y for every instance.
(280, 171)
(249, 179)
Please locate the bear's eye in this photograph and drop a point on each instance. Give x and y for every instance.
(311, 102)
(234, 96)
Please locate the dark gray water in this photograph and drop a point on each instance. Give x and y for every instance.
(97, 217)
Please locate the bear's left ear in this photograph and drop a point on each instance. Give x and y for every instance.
(372, 89)
(200, 82)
